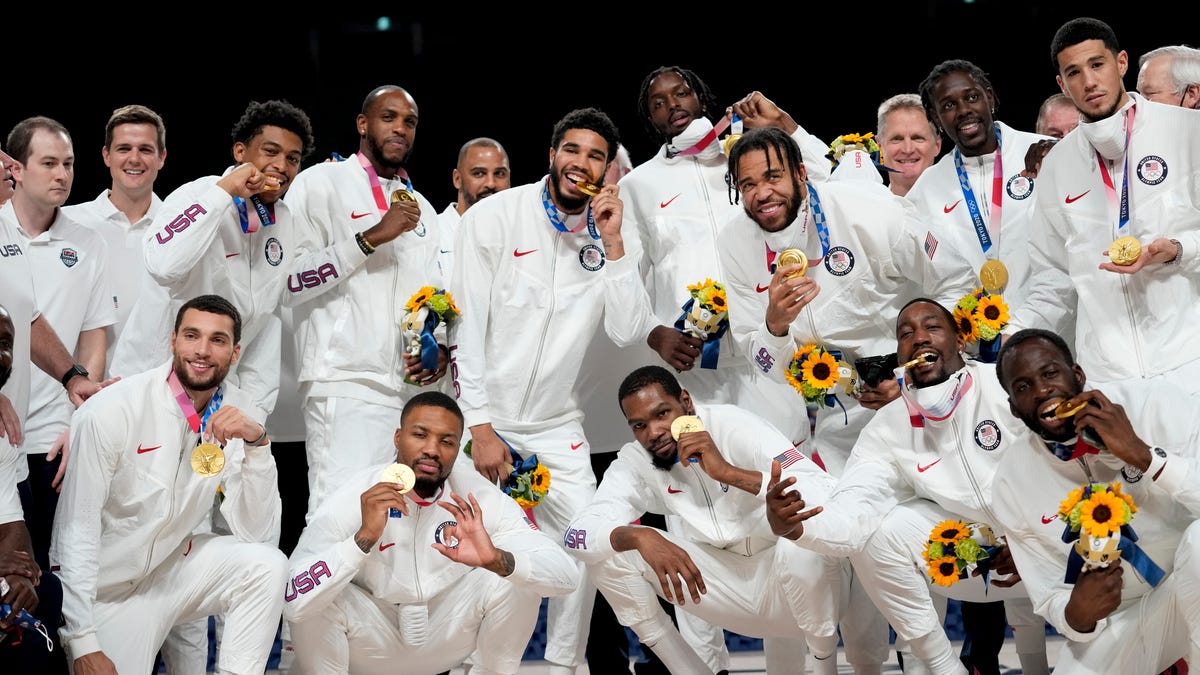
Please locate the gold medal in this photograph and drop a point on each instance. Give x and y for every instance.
(587, 188)
(729, 141)
(1066, 409)
(794, 256)
(403, 196)
(1124, 251)
(685, 424)
(208, 459)
(401, 474)
(994, 276)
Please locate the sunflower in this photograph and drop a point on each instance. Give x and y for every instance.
(539, 482)
(820, 370)
(1069, 504)
(1102, 514)
(992, 312)
(420, 298)
(1116, 490)
(525, 503)
(943, 571)
(966, 324)
(792, 375)
(716, 300)
(949, 532)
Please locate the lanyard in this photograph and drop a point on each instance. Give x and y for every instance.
(381, 200)
(708, 138)
(557, 221)
(185, 404)
(1110, 189)
(265, 214)
(981, 230)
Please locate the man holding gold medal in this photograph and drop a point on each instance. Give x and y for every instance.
(419, 564)
(149, 453)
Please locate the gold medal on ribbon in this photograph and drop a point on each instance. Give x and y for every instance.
(685, 424)
(794, 256)
(993, 276)
(587, 188)
(400, 474)
(727, 144)
(208, 459)
(1124, 251)
(403, 196)
(1065, 409)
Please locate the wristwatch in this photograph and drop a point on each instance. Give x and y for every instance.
(76, 369)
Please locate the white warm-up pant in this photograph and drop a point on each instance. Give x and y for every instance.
(565, 453)
(482, 616)
(210, 574)
(782, 591)
(343, 435)
(1147, 634)
(893, 572)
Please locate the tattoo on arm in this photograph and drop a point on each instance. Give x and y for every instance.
(505, 563)
(363, 543)
(751, 485)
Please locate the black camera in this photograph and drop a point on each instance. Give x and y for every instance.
(875, 369)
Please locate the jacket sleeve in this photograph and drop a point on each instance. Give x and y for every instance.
(619, 500)
(767, 353)
(945, 276)
(812, 151)
(259, 366)
(75, 545)
(540, 563)
(472, 279)
(322, 261)
(325, 559)
(628, 316)
(252, 505)
(186, 226)
(1052, 298)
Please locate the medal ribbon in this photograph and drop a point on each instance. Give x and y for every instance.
(981, 230)
(708, 138)
(1110, 189)
(265, 214)
(1074, 450)
(195, 421)
(557, 221)
(819, 220)
(381, 199)
(918, 414)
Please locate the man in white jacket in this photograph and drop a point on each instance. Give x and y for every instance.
(149, 454)
(1140, 613)
(416, 582)
(721, 563)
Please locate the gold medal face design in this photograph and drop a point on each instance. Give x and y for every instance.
(403, 196)
(794, 256)
(993, 276)
(728, 142)
(208, 459)
(1067, 409)
(1124, 251)
(401, 474)
(587, 188)
(685, 424)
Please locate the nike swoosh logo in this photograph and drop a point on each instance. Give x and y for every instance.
(1051, 519)
(142, 450)
(948, 209)
(923, 469)
(576, 446)
(185, 553)
(672, 491)
(356, 216)
(517, 253)
(663, 205)
(230, 255)
(1071, 199)
(384, 547)
(760, 288)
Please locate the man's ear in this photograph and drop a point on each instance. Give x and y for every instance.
(686, 399)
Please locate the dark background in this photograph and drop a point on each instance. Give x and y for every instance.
(512, 74)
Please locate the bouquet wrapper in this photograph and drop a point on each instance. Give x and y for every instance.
(707, 325)
(417, 329)
(1090, 553)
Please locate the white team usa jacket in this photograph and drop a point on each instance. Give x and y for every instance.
(196, 246)
(348, 305)
(710, 512)
(1029, 487)
(951, 463)
(403, 567)
(130, 499)
(532, 297)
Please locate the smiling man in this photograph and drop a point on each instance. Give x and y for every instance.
(1139, 614)
(149, 454)
(450, 569)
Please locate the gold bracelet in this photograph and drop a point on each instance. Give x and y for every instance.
(363, 244)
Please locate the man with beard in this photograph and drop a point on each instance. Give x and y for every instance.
(482, 170)
(381, 583)
(23, 586)
(539, 267)
(1117, 222)
(705, 465)
(921, 460)
(1132, 615)
(149, 453)
(366, 242)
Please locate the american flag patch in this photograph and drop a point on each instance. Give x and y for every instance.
(930, 244)
(789, 457)
(530, 523)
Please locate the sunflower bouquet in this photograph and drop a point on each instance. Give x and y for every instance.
(979, 317)
(955, 548)
(706, 316)
(424, 311)
(843, 144)
(816, 373)
(528, 479)
(1097, 512)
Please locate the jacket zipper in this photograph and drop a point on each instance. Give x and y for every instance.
(962, 455)
(537, 357)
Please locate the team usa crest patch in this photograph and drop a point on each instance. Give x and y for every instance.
(274, 252)
(439, 535)
(987, 435)
(69, 257)
(839, 261)
(591, 257)
(1152, 170)
(1019, 187)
